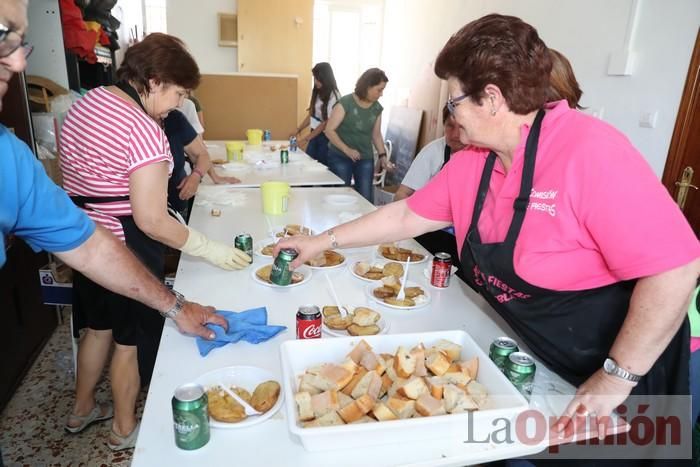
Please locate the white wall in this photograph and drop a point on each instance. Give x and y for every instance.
(196, 23)
(587, 33)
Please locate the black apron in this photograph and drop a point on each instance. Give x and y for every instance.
(570, 331)
(152, 255)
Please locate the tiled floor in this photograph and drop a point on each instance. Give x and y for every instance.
(31, 427)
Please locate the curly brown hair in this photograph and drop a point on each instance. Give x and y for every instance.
(162, 58)
(500, 50)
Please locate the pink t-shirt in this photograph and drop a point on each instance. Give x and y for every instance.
(103, 140)
(597, 212)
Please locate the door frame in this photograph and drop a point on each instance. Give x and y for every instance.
(691, 93)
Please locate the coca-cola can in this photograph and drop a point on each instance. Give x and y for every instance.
(308, 322)
(442, 269)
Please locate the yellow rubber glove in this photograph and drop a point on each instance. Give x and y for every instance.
(217, 253)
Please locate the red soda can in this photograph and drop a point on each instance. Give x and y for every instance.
(442, 269)
(308, 322)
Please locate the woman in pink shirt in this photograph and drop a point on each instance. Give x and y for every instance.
(560, 223)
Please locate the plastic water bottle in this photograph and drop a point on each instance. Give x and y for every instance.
(293, 144)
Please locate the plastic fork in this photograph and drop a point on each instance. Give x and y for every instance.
(402, 293)
(341, 309)
(249, 411)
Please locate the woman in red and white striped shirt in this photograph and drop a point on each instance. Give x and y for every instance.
(116, 162)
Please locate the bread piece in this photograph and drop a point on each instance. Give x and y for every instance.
(338, 322)
(387, 356)
(457, 400)
(355, 330)
(386, 384)
(306, 386)
(391, 392)
(371, 361)
(451, 349)
(370, 384)
(361, 268)
(393, 269)
(419, 353)
(470, 367)
(456, 376)
(329, 376)
(304, 408)
(364, 316)
(437, 362)
(356, 410)
(414, 388)
(390, 371)
(436, 386)
(330, 419)
(355, 379)
(402, 407)
(427, 406)
(359, 350)
(325, 402)
(382, 412)
(404, 362)
(344, 399)
(349, 365)
(265, 396)
(478, 392)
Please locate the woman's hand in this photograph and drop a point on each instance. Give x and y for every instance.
(384, 164)
(223, 180)
(307, 246)
(597, 397)
(353, 154)
(188, 186)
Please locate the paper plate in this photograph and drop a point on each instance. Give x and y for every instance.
(246, 377)
(382, 323)
(235, 166)
(305, 270)
(426, 255)
(375, 284)
(339, 199)
(379, 262)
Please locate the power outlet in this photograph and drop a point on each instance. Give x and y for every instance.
(648, 119)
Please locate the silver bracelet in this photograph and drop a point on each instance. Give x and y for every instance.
(331, 234)
(177, 307)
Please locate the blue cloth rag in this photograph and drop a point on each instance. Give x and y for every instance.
(250, 326)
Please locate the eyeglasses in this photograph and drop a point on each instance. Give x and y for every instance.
(452, 103)
(10, 41)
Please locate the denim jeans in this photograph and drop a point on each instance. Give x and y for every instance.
(346, 169)
(318, 148)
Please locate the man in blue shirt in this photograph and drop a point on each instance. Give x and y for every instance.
(36, 210)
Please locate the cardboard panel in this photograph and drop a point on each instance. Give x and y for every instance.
(233, 103)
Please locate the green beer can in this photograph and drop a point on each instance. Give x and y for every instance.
(284, 156)
(190, 417)
(281, 274)
(244, 242)
(500, 349)
(520, 370)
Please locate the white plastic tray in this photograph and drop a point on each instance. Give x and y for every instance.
(298, 355)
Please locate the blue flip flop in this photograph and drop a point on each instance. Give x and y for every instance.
(93, 417)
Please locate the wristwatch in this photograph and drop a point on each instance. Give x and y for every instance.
(177, 307)
(611, 367)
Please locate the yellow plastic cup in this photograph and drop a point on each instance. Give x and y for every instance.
(254, 137)
(275, 197)
(234, 150)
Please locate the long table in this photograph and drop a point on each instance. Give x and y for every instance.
(270, 443)
(260, 164)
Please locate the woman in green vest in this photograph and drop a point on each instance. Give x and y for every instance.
(353, 127)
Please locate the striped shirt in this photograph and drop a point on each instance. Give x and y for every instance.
(105, 139)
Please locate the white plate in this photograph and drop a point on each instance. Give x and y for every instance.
(305, 270)
(246, 377)
(339, 199)
(382, 323)
(375, 284)
(260, 244)
(264, 164)
(345, 260)
(379, 262)
(280, 229)
(425, 254)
